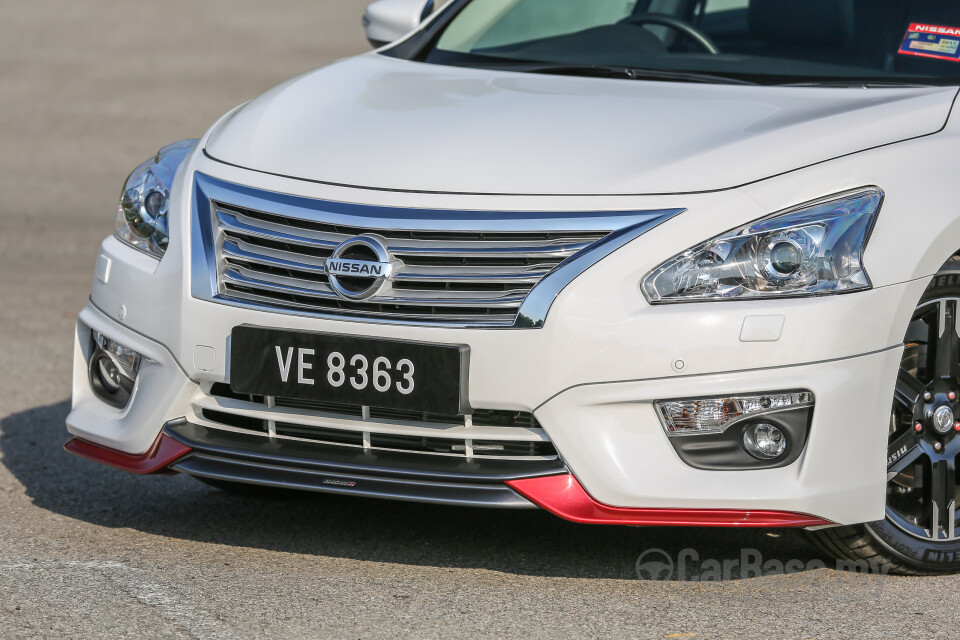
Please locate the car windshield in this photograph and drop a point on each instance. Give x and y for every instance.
(756, 41)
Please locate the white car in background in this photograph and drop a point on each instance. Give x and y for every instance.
(645, 262)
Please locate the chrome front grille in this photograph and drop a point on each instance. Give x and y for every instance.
(485, 433)
(474, 277)
(270, 250)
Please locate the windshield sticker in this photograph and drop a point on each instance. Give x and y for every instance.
(932, 41)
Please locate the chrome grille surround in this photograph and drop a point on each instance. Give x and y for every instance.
(484, 434)
(268, 250)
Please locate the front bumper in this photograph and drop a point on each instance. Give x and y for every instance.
(607, 434)
(589, 376)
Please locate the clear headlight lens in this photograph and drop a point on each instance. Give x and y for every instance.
(144, 204)
(713, 415)
(810, 250)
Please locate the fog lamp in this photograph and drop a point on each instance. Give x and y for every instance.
(109, 374)
(764, 441)
(113, 370)
(714, 415)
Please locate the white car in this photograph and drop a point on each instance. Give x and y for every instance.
(645, 262)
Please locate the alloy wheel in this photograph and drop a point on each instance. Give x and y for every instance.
(922, 490)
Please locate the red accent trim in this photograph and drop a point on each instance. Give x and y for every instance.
(935, 29)
(927, 55)
(564, 496)
(165, 451)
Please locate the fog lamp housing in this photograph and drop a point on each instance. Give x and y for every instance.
(113, 370)
(738, 432)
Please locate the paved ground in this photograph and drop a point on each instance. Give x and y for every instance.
(88, 90)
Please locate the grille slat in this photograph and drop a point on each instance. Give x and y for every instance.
(558, 247)
(238, 252)
(429, 314)
(457, 276)
(230, 224)
(491, 434)
(560, 252)
(416, 298)
(241, 251)
(448, 237)
(494, 275)
(424, 288)
(265, 223)
(279, 284)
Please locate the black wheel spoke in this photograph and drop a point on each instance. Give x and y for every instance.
(943, 496)
(908, 390)
(923, 495)
(903, 452)
(947, 364)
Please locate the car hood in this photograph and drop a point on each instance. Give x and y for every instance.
(380, 122)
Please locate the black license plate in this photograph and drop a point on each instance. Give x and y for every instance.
(336, 368)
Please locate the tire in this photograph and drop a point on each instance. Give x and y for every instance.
(920, 534)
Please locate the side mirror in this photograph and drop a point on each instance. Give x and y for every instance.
(388, 20)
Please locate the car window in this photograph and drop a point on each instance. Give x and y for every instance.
(764, 41)
(719, 6)
(496, 23)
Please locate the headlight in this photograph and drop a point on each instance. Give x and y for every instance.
(145, 201)
(810, 250)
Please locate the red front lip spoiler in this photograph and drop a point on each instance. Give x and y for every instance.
(561, 495)
(165, 451)
(564, 496)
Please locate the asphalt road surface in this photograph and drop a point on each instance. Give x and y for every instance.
(87, 91)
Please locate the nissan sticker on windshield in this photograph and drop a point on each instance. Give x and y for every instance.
(931, 41)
